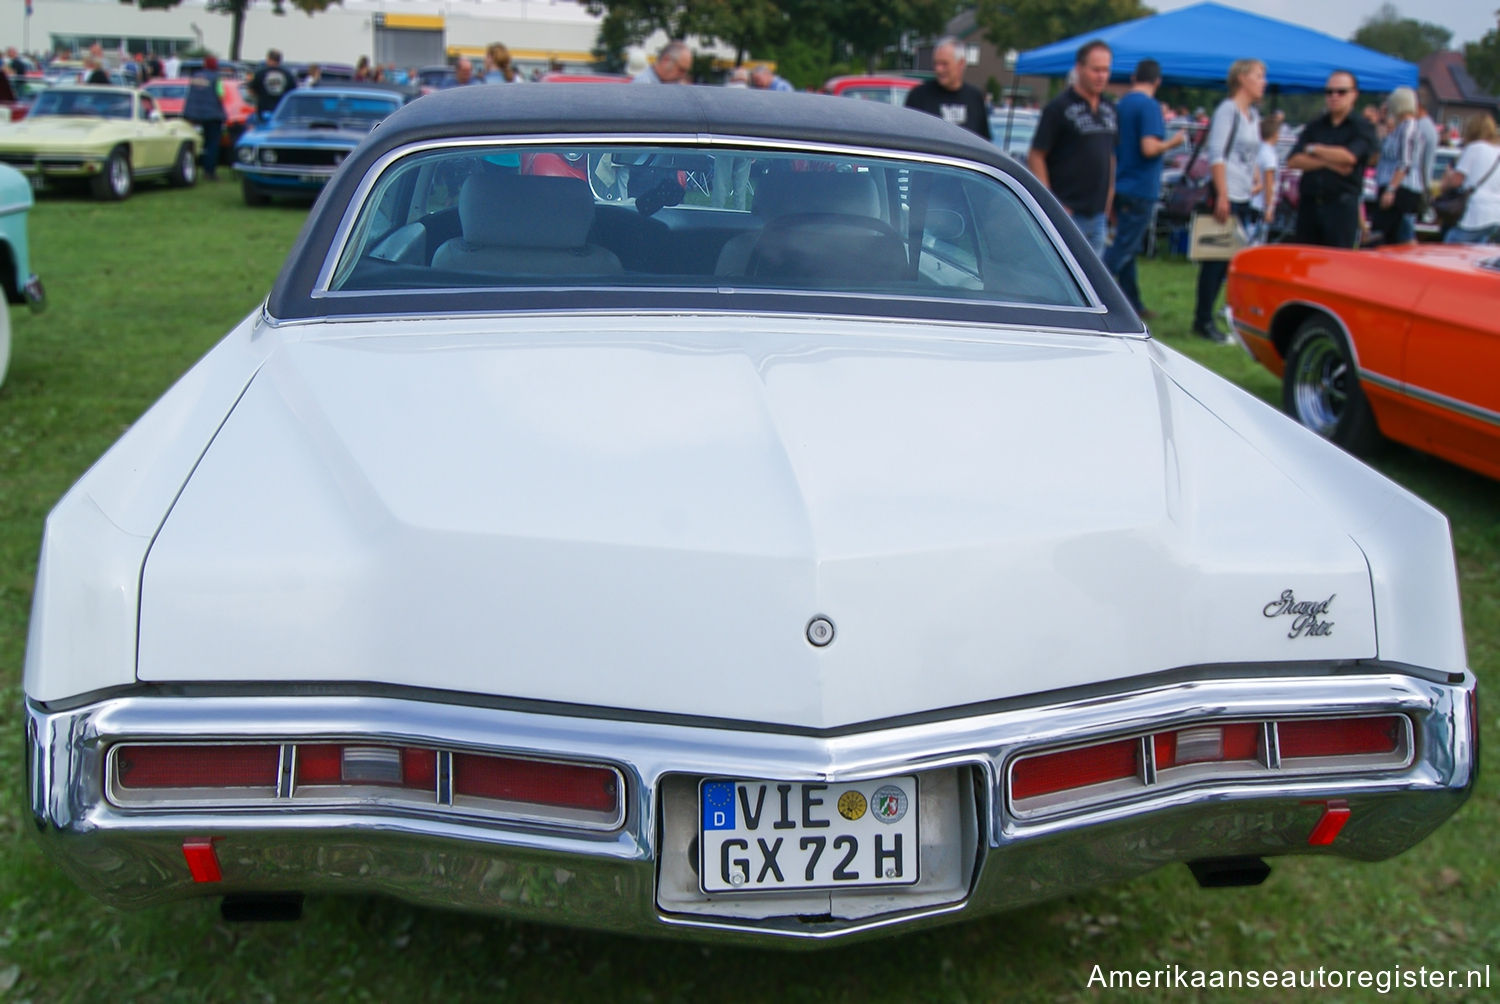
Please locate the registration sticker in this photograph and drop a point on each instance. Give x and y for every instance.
(759, 836)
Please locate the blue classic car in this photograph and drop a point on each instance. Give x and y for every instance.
(16, 280)
(306, 139)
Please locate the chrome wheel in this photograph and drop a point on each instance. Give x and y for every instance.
(114, 181)
(1321, 387)
(185, 170)
(1320, 384)
(119, 176)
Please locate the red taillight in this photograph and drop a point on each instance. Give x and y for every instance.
(1207, 744)
(357, 764)
(320, 764)
(535, 781)
(1076, 768)
(1340, 736)
(197, 766)
(418, 768)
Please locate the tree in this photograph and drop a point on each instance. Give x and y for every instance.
(1025, 24)
(748, 25)
(870, 27)
(237, 9)
(1403, 37)
(1482, 60)
(758, 27)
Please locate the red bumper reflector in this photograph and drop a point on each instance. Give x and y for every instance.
(201, 860)
(1335, 815)
(535, 781)
(197, 766)
(1077, 768)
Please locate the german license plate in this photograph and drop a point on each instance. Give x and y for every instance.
(758, 836)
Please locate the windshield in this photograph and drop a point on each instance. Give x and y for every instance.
(93, 102)
(882, 92)
(334, 111)
(168, 91)
(1012, 131)
(674, 217)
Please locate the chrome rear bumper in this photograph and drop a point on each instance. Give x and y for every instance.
(639, 877)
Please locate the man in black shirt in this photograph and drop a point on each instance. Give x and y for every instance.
(1331, 153)
(947, 96)
(1073, 151)
(270, 83)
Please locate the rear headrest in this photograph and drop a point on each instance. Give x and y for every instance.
(519, 210)
(784, 192)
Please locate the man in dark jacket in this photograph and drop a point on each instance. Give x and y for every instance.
(204, 108)
(1331, 153)
(270, 83)
(1073, 150)
(946, 95)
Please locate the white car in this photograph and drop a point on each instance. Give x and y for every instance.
(559, 543)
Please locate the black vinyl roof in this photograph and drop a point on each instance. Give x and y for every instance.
(686, 110)
(636, 111)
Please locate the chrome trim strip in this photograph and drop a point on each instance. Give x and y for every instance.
(1432, 397)
(679, 314)
(321, 171)
(609, 880)
(1247, 327)
(362, 192)
(1272, 742)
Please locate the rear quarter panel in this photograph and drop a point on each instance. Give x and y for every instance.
(1454, 355)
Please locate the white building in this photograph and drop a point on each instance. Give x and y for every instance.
(538, 33)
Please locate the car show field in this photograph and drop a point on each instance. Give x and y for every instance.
(84, 372)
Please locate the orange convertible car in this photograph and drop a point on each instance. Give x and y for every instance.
(1400, 342)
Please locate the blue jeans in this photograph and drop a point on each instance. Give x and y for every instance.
(212, 130)
(1484, 235)
(1406, 230)
(1132, 217)
(1094, 226)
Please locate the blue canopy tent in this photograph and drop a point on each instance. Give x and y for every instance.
(1196, 44)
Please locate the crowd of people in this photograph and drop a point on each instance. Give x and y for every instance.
(1103, 159)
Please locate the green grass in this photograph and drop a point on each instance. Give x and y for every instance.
(140, 290)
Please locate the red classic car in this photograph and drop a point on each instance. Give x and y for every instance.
(171, 92)
(1400, 342)
(877, 87)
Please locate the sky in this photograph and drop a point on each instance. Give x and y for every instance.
(1467, 19)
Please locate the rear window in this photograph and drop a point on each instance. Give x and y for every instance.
(654, 216)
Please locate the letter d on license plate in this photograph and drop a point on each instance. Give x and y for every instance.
(762, 836)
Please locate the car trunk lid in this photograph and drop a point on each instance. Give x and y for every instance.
(599, 513)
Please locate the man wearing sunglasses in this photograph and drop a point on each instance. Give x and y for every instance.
(1331, 153)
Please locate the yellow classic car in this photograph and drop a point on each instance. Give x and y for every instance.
(109, 136)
